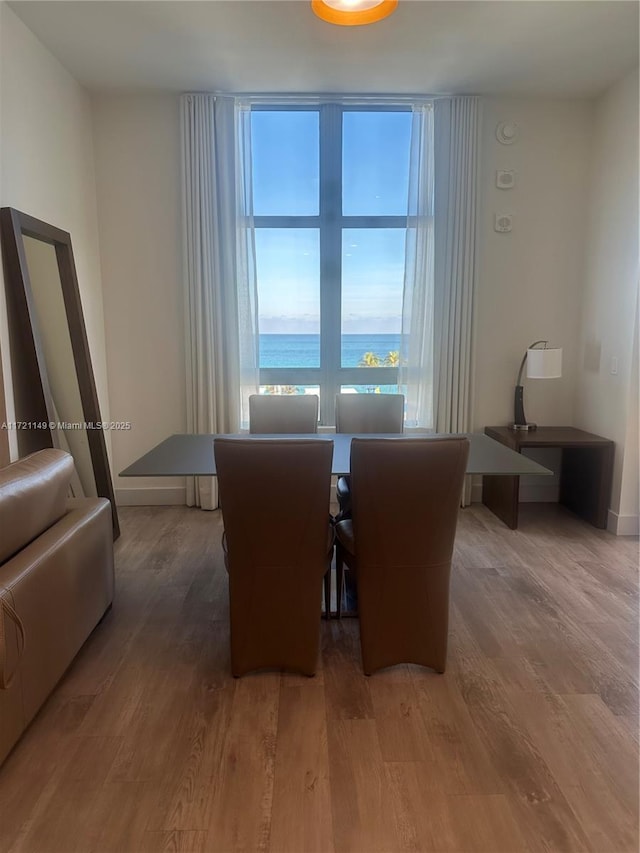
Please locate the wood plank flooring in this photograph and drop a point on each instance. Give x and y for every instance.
(529, 741)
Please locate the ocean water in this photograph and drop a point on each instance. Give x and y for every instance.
(304, 350)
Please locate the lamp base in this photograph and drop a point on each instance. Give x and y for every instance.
(523, 427)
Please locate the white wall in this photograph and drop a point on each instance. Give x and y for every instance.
(628, 517)
(137, 146)
(47, 170)
(607, 404)
(530, 279)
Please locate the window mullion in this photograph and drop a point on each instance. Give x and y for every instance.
(286, 221)
(374, 221)
(330, 255)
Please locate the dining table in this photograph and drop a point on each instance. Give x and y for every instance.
(185, 455)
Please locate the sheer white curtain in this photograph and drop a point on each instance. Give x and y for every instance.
(456, 155)
(416, 344)
(441, 266)
(219, 271)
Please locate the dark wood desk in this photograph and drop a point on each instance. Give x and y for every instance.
(585, 474)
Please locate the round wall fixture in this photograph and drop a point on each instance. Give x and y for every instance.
(507, 132)
(353, 13)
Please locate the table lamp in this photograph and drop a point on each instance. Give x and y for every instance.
(545, 363)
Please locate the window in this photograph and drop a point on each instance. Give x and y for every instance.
(330, 190)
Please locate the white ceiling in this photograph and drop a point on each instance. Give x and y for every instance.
(566, 48)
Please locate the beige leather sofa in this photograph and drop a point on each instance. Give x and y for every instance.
(56, 582)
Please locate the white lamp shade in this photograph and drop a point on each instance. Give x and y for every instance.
(544, 363)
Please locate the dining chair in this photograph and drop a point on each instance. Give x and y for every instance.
(273, 414)
(400, 550)
(362, 413)
(276, 563)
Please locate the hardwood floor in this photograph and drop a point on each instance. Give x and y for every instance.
(529, 742)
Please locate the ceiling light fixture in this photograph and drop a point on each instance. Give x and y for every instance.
(353, 13)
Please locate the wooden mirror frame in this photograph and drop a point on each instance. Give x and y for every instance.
(33, 400)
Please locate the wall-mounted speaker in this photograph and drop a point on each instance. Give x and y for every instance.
(503, 223)
(505, 179)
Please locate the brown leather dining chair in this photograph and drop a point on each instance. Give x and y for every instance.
(273, 414)
(362, 413)
(276, 563)
(400, 549)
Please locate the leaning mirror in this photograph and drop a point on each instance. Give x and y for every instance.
(54, 388)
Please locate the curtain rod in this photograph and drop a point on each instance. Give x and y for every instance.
(309, 97)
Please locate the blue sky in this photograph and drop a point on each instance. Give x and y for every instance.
(286, 183)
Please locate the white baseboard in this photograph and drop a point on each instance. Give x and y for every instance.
(619, 525)
(152, 496)
(165, 496)
(623, 525)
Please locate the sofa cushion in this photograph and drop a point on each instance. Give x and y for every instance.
(33, 496)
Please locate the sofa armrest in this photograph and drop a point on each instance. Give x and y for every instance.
(33, 495)
(61, 584)
(8, 612)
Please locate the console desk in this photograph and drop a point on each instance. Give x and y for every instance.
(585, 474)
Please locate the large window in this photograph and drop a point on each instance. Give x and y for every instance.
(330, 190)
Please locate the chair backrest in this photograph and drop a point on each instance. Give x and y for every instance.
(405, 497)
(377, 413)
(274, 495)
(273, 414)
(269, 486)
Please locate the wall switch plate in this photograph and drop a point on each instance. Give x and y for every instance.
(503, 222)
(614, 365)
(505, 179)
